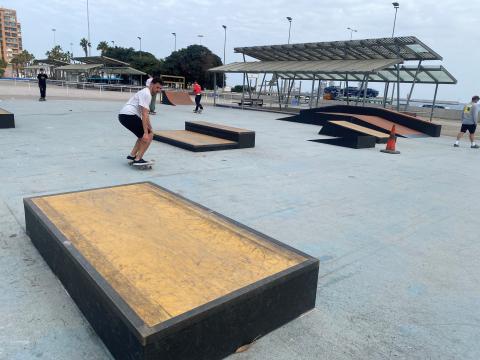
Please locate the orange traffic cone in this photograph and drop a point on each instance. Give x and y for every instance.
(390, 149)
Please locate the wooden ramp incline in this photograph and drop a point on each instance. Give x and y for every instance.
(187, 283)
(411, 122)
(373, 122)
(7, 119)
(176, 98)
(341, 128)
(204, 136)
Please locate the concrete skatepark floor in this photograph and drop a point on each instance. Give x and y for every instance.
(396, 235)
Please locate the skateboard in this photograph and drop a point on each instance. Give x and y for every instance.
(42, 99)
(146, 166)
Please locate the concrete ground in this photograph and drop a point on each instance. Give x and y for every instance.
(397, 235)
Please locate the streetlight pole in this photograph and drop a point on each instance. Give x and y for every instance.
(200, 37)
(88, 27)
(140, 39)
(175, 36)
(224, 47)
(113, 43)
(396, 5)
(71, 49)
(351, 32)
(289, 27)
(54, 41)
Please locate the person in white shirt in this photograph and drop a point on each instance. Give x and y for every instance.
(154, 96)
(134, 116)
(469, 122)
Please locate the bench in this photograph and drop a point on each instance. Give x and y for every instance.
(251, 102)
(7, 119)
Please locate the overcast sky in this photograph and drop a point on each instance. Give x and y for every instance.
(448, 26)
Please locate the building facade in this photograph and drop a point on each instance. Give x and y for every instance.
(10, 34)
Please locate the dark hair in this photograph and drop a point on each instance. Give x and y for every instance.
(157, 80)
(475, 98)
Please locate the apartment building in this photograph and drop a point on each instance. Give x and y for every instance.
(10, 34)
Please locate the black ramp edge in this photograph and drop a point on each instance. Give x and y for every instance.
(7, 120)
(354, 142)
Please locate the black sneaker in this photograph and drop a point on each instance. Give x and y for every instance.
(141, 162)
(132, 158)
(475, 146)
(456, 145)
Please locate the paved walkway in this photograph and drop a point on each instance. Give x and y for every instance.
(397, 235)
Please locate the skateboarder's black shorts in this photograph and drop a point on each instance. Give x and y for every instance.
(471, 128)
(132, 123)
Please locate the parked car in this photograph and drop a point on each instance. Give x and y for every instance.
(332, 90)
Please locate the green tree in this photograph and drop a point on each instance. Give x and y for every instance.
(20, 60)
(141, 60)
(3, 65)
(85, 45)
(57, 53)
(193, 63)
(103, 47)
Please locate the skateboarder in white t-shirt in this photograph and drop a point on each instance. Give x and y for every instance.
(134, 116)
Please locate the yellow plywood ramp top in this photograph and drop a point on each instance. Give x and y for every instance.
(360, 128)
(162, 254)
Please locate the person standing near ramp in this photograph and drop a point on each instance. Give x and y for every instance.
(197, 90)
(134, 116)
(42, 84)
(469, 122)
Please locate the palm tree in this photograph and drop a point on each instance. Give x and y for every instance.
(103, 47)
(85, 45)
(22, 59)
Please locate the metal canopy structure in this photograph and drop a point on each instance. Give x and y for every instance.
(106, 61)
(343, 70)
(405, 48)
(79, 67)
(51, 62)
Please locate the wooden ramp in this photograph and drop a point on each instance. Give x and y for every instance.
(193, 141)
(176, 98)
(341, 128)
(160, 277)
(205, 136)
(7, 119)
(373, 122)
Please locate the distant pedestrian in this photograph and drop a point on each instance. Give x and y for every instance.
(197, 90)
(154, 96)
(42, 84)
(134, 116)
(469, 122)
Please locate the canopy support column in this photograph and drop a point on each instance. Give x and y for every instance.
(434, 100)
(413, 85)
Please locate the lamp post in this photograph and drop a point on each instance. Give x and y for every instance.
(200, 37)
(54, 42)
(113, 43)
(88, 28)
(140, 39)
(396, 5)
(175, 46)
(224, 47)
(351, 32)
(71, 49)
(289, 27)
